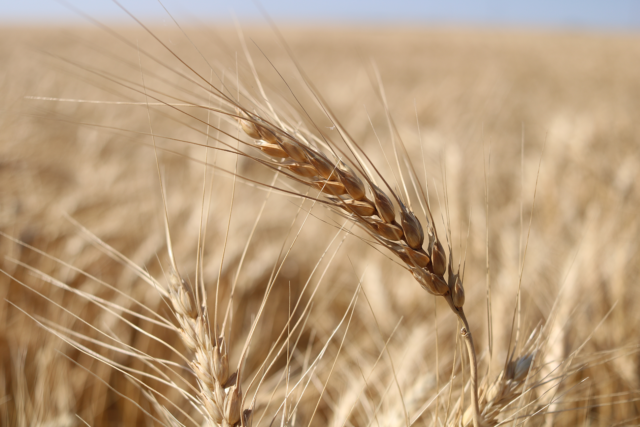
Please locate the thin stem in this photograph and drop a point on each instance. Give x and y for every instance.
(465, 332)
(473, 368)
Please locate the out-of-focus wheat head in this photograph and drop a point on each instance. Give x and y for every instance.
(122, 312)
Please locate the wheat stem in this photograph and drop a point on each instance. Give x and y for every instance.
(465, 332)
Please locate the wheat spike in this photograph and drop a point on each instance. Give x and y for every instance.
(220, 392)
(364, 202)
(361, 201)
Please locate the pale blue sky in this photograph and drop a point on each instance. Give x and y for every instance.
(602, 14)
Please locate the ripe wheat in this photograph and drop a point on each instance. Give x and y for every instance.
(202, 387)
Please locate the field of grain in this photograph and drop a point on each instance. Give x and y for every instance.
(528, 140)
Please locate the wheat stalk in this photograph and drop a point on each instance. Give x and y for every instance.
(363, 202)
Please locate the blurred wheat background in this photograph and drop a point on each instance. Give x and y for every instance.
(503, 115)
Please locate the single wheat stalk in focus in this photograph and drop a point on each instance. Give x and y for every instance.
(352, 192)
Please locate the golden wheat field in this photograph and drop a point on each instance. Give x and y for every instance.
(164, 262)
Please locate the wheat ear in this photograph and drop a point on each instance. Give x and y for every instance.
(373, 209)
(220, 392)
